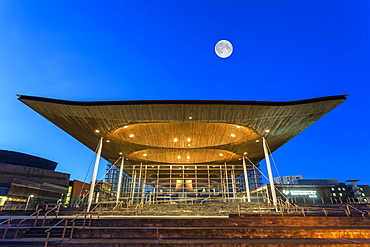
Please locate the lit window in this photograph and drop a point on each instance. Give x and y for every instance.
(132, 135)
(175, 140)
(334, 194)
(363, 194)
(232, 135)
(189, 140)
(339, 189)
(332, 188)
(340, 194)
(179, 157)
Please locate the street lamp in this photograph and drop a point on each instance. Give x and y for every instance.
(28, 201)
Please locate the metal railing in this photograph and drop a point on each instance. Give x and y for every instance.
(6, 227)
(56, 209)
(23, 220)
(48, 231)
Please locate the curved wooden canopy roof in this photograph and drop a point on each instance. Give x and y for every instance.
(183, 131)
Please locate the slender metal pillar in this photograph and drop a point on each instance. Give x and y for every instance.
(196, 182)
(209, 182)
(143, 182)
(170, 183)
(140, 181)
(120, 179)
(246, 181)
(133, 184)
(227, 182)
(222, 184)
(95, 172)
(272, 184)
(233, 181)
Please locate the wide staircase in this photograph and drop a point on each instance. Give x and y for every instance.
(194, 225)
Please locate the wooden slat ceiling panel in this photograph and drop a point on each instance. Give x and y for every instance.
(284, 120)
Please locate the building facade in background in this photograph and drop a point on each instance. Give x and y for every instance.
(23, 175)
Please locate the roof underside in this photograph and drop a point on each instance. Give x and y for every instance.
(183, 132)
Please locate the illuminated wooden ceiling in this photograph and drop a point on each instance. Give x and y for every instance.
(183, 131)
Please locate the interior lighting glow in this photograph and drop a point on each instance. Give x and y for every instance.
(179, 157)
(97, 131)
(125, 127)
(175, 140)
(245, 153)
(257, 140)
(267, 131)
(107, 140)
(152, 166)
(232, 135)
(145, 154)
(189, 140)
(189, 145)
(120, 153)
(190, 117)
(238, 126)
(221, 154)
(132, 135)
(188, 157)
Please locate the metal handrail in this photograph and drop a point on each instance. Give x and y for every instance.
(6, 221)
(6, 228)
(56, 206)
(30, 215)
(20, 222)
(53, 209)
(358, 210)
(95, 207)
(73, 220)
(48, 230)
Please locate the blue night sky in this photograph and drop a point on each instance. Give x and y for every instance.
(149, 50)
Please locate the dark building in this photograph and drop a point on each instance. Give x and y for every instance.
(316, 191)
(23, 175)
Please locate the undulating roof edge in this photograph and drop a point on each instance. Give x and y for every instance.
(190, 102)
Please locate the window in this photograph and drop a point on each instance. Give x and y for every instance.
(339, 189)
(332, 188)
(340, 194)
(334, 194)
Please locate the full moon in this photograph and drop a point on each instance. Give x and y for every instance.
(223, 48)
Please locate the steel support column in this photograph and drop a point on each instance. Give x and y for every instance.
(120, 179)
(95, 172)
(246, 180)
(272, 184)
